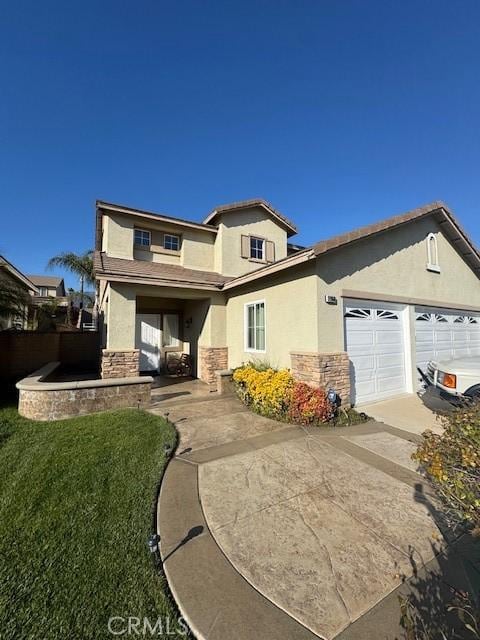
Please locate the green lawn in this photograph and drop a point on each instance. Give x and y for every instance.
(75, 513)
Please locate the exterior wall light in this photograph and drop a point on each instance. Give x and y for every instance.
(332, 396)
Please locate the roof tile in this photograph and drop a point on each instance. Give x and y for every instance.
(104, 264)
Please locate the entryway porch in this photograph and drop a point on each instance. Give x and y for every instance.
(147, 326)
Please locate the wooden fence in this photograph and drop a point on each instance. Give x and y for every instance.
(22, 352)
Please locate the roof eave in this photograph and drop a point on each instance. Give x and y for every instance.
(116, 277)
(437, 208)
(18, 275)
(291, 261)
(150, 215)
(290, 228)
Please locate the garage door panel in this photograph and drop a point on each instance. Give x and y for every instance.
(391, 384)
(444, 339)
(361, 338)
(424, 338)
(387, 361)
(364, 390)
(388, 338)
(365, 363)
(375, 346)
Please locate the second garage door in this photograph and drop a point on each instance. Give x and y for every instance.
(375, 345)
(442, 334)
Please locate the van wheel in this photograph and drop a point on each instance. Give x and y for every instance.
(473, 393)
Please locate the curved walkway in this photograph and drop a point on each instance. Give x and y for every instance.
(274, 531)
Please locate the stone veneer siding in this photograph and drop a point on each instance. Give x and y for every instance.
(120, 364)
(326, 370)
(211, 360)
(66, 403)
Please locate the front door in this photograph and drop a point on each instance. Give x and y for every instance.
(147, 339)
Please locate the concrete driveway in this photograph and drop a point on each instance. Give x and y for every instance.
(275, 531)
(409, 412)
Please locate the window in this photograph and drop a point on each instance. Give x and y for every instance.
(255, 326)
(171, 242)
(358, 313)
(43, 291)
(171, 330)
(432, 253)
(142, 237)
(384, 314)
(257, 248)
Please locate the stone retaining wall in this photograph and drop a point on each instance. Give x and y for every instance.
(326, 370)
(56, 405)
(44, 398)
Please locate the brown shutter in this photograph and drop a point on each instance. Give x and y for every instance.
(270, 251)
(245, 246)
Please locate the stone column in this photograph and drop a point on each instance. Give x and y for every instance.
(120, 359)
(120, 363)
(212, 359)
(326, 370)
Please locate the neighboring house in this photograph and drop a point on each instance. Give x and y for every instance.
(358, 312)
(12, 276)
(49, 287)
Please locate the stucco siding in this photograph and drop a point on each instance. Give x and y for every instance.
(198, 250)
(392, 264)
(291, 310)
(121, 311)
(118, 236)
(234, 224)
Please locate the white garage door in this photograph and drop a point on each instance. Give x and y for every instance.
(375, 344)
(442, 334)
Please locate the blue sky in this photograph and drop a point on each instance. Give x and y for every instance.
(340, 113)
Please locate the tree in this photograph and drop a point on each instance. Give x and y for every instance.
(13, 300)
(81, 265)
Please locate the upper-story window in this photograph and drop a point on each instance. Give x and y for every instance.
(142, 237)
(43, 291)
(257, 248)
(432, 253)
(171, 242)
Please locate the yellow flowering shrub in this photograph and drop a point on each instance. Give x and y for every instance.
(267, 392)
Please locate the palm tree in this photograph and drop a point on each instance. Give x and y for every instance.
(81, 265)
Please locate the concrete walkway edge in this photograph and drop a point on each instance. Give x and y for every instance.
(214, 599)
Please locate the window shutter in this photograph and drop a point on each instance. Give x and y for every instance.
(270, 251)
(245, 246)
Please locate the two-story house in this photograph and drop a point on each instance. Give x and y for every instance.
(15, 291)
(360, 312)
(49, 287)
